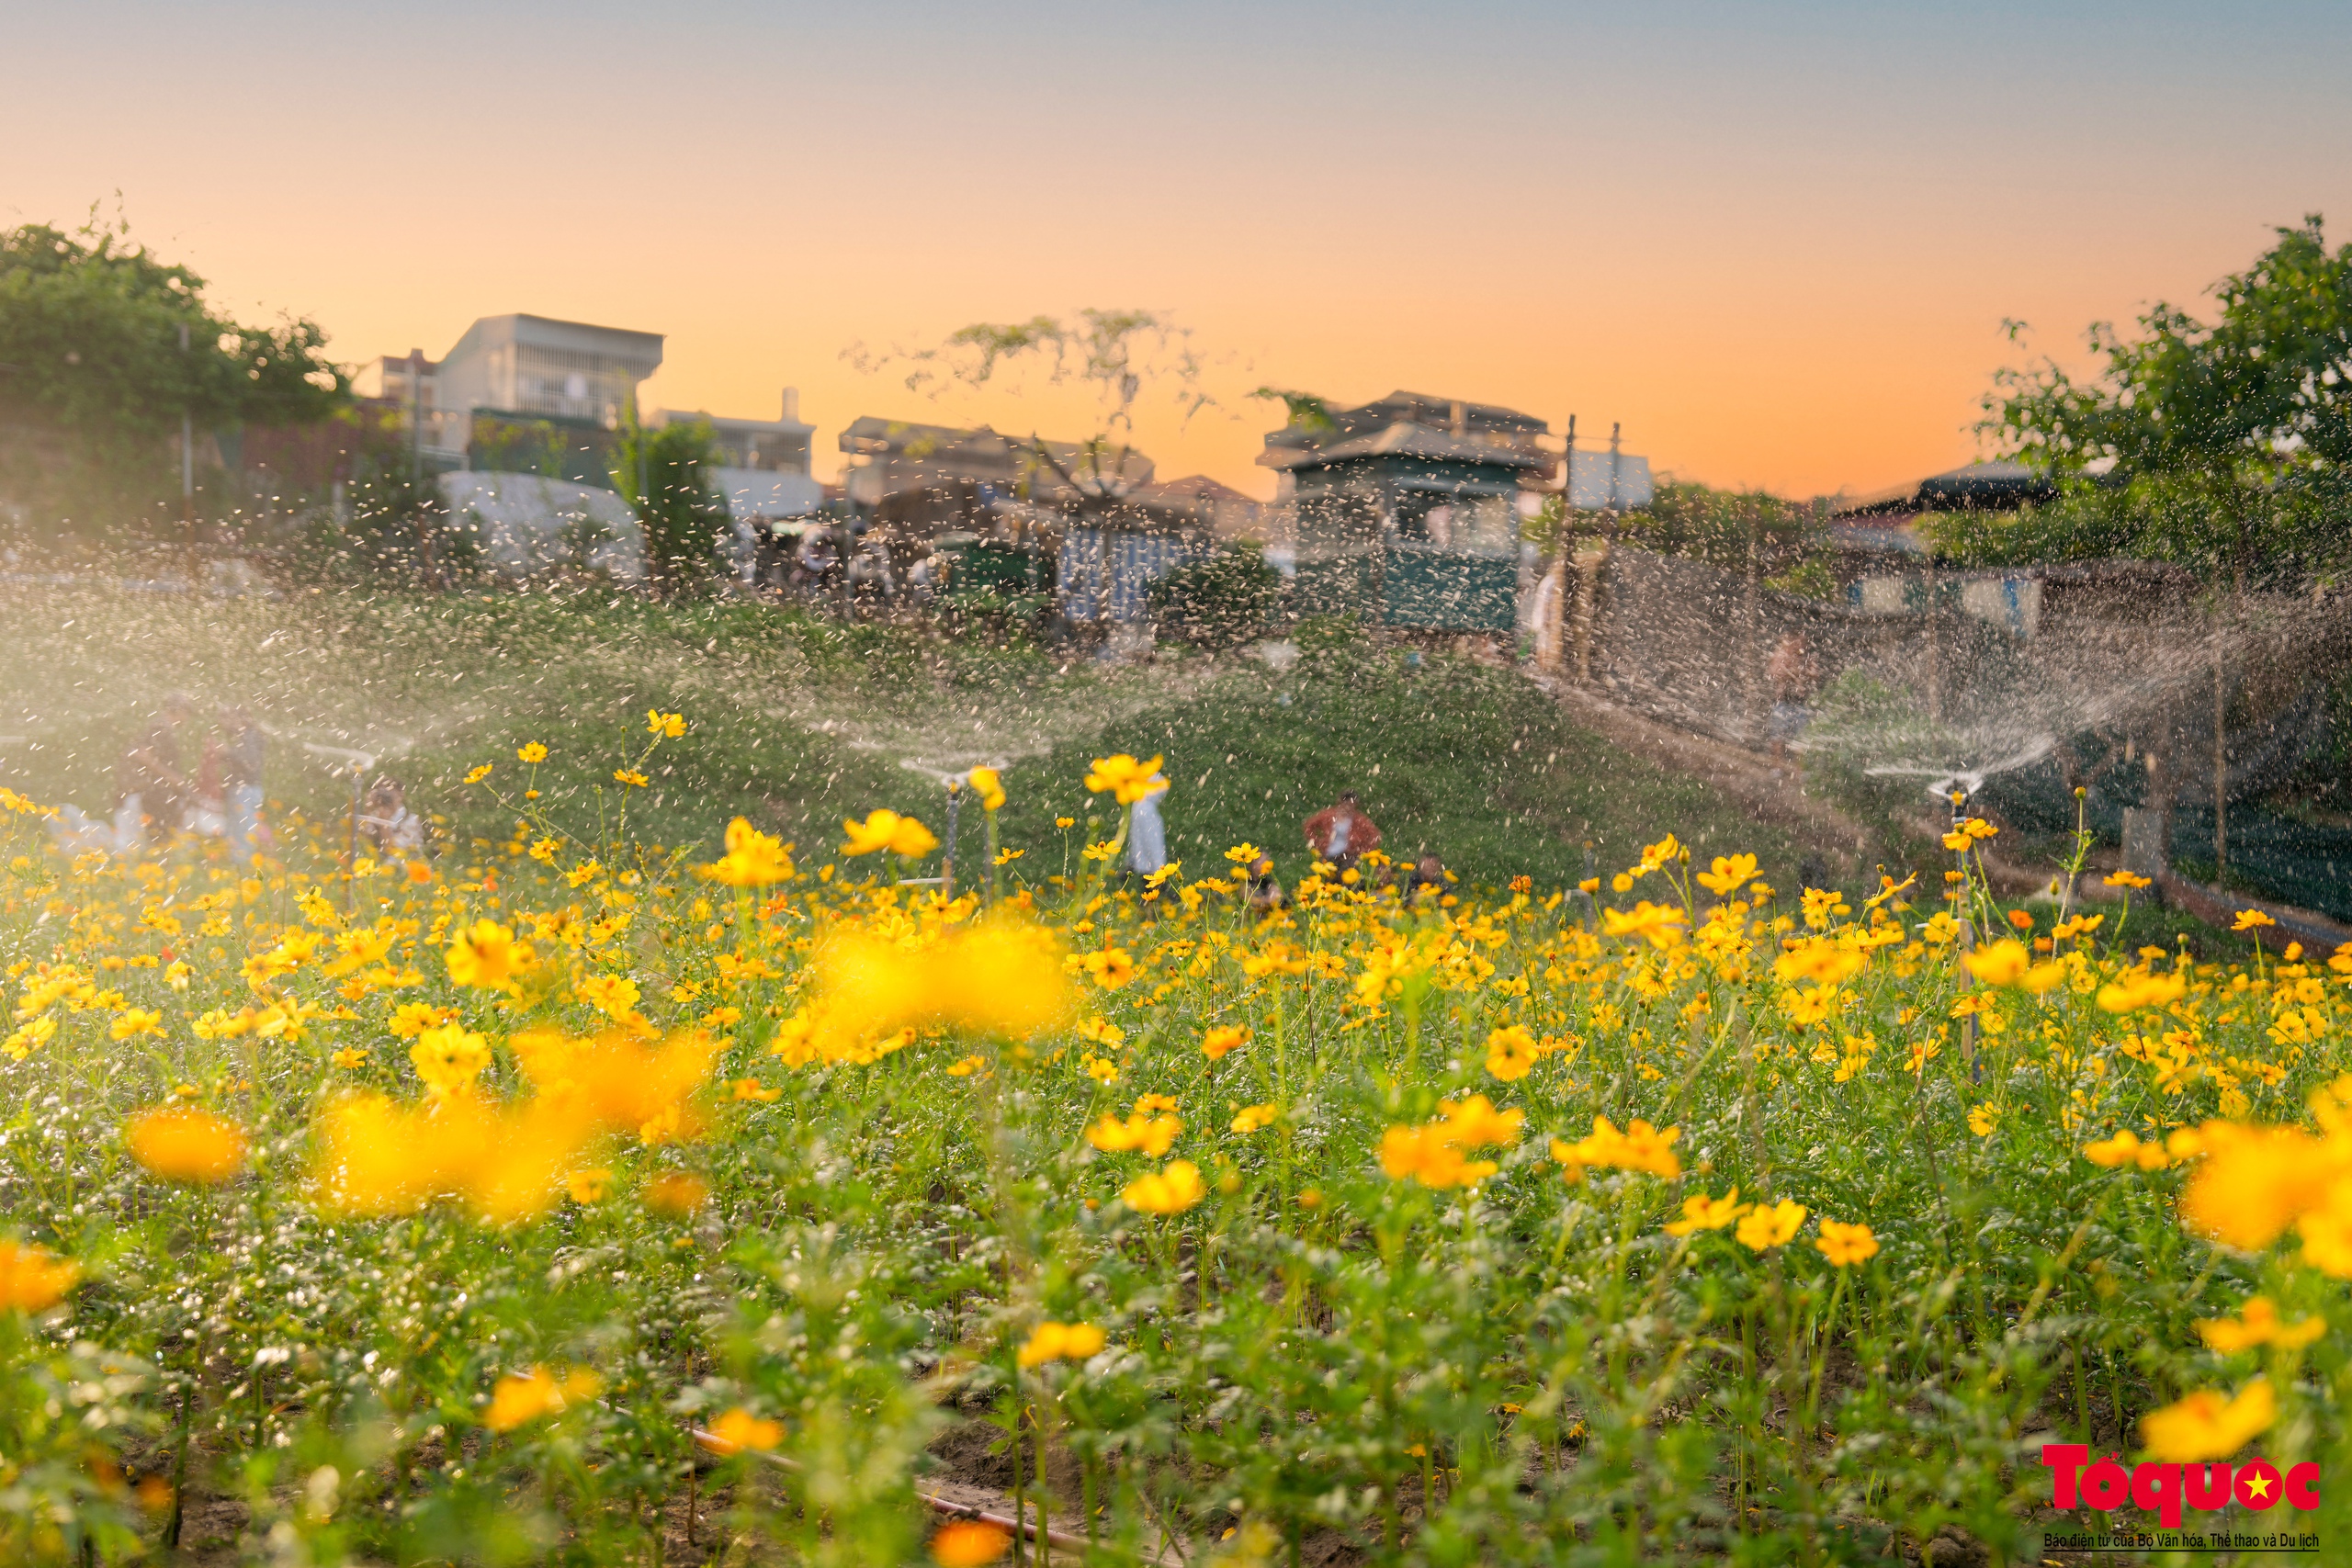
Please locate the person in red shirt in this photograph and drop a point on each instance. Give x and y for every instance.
(1341, 832)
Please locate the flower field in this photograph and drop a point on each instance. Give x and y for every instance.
(574, 1199)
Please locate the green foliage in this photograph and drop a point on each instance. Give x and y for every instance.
(2229, 441)
(1686, 518)
(665, 475)
(91, 328)
(1221, 600)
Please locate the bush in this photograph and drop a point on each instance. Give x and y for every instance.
(1219, 600)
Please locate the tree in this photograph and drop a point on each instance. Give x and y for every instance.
(2224, 446)
(104, 347)
(1115, 354)
(665, 475)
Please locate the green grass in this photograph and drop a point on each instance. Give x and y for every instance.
(797, 722)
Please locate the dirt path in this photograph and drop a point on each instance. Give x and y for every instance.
(1771, 791)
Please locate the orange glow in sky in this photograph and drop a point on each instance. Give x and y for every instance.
(1777, 243)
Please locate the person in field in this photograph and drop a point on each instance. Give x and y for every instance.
(1341, 834)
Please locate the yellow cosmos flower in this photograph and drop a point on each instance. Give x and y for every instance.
(1701, 1213)
(1512, 1052)
(614, 996)
(751, 1089)
(631, 777)
(133, 1022)
(2258, 1322)
(1845, 1244)
(670, 726)
(2125, 1148)
(1112, 967)
(754, 859)
(1059, 1342)
(1222, 1041)
(886, 830)
(1660, 924)
(1252, 1117)
(33, 1279)
(1126, 780)
(2205, 1426)
(2003, 963)
(1639, 1147)
(449, 1058)
(487, 955)
(531, 752)
(1763, 1229)
(518, 1401)
(740, 1429)
(985, 783)
(2141, 989)
(184, 1144)
(1169, 1191)
(1728, 873)
(969, 1544)
(1152, 1135)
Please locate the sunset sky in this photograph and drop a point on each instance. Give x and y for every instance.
(1777, 242)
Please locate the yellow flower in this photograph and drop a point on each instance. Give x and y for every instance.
(740, 1429)
(2257, 1181)
(486, 955)
(2206, 1426)
(2140, 989)
(2126, 879)
(1170, 1190)
(1152, 1135)
(1059, 1342)
(668, 725)
(1639, 1147)
(1728, 873)
(1701, 1213)
(518, 1401)
(753, 1089)
(185, 1143)
(531, 752)
(677, 1194)
(2258, 1322)
(136, 1021)
(969, 1544)
(33, 1279)
(886, 830)
(449, 1058)
(754, 859)
(966, 1067)
(1252, 1117)
(1822, 961)
(350, 1056)
(1427, 1156)
(1982, 1118)
(2003, 963)
(985, 783)
(1112, 967)
(1765, 1228)
(588, 1186)
(631, 778)
(478, 774)
(1845, 1243)
(2251, 920)
(1221, 1041)
(1127, 780)
(1660, 923)
(614, 996)
(410, 1019)
(2125, 1148)
(1512, 1052)
(1660, 853)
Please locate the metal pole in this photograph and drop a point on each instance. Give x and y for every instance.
(947, 850)
(188, 468)
(351, 877)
